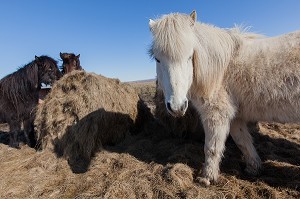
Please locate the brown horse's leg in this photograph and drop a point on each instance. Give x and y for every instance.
(29, 132)
(15, 127)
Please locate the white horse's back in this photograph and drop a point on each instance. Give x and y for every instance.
(264, 79)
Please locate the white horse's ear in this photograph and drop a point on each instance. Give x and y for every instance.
(151, 23)
(193, 15)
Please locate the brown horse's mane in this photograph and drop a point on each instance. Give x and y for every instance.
(18, 85)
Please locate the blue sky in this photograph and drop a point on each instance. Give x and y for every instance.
(112, 36)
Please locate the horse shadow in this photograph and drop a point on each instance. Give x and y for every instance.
(280, 170)
(147, 141)
(92, 133)
(280, 160)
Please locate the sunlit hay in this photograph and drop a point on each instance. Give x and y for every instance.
(131, 188)
(188, 126)
(180, 175)
(83, 112)
(125, 171)
(120, 190)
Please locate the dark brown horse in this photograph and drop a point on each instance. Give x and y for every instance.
(71, 62)
(19, 95)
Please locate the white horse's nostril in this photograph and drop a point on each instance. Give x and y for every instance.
(169, 107)
(184, 106)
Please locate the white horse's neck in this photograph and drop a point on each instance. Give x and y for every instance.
(213, 51)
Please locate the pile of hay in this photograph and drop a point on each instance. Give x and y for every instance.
(85, 111)
(188, 126)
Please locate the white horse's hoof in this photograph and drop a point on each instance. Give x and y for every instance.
(254, 168)
(253, 171)
(203, 181)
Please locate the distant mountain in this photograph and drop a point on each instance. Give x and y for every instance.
(143, 81)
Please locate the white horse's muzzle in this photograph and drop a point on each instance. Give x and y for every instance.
(177, 110)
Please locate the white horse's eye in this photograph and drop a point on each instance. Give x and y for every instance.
(157, 60)
(190, 58)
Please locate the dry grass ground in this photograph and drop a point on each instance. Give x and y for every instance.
(151, 165)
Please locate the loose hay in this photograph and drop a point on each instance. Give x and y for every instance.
(180, 175)
(83, 112)
(29, 174)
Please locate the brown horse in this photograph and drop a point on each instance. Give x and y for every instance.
(71, 62)
(19, 95)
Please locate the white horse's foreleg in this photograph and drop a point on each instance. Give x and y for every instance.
(215, 137)
(216, 114)
(243, 140)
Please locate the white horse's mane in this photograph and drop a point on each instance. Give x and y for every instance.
(213, 47)
(244, 31)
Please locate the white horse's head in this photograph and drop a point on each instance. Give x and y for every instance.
(173, 48)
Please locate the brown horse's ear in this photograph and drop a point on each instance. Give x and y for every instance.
(78, 56)
(193, 15)
(37, 59)
(61, 55)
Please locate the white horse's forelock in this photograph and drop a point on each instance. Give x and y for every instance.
(170, 35)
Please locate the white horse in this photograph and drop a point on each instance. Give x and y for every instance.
(231, 77)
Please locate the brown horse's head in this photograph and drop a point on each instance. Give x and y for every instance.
(70, 62)
(48, 71)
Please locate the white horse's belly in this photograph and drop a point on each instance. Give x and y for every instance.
(272, 112)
